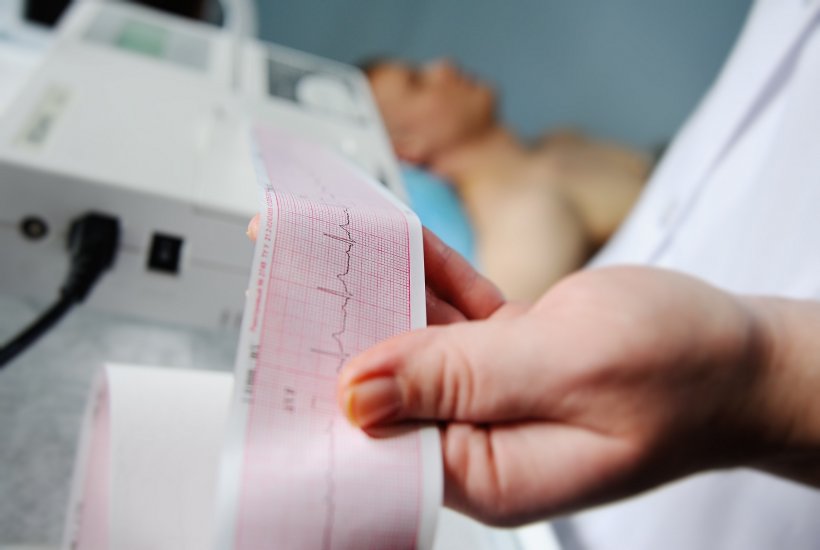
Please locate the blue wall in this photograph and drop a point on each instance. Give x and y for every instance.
(627, 69)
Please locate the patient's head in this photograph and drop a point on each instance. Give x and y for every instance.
(430, 108)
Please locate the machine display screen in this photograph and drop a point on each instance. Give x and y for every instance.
(150, 39)
(314, 88)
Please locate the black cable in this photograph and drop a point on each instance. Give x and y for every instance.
(93, 240)
(35, 330)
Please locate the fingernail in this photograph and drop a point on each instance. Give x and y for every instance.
(373, 401)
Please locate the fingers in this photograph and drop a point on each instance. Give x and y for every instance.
(253, 228)
(457, 373)
(518, 472)
(455, 281)
(440, 312)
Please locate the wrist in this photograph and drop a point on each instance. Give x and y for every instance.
(785, 406)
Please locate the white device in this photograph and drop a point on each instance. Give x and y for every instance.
(312, 96)
(21, 49)
(141, 115)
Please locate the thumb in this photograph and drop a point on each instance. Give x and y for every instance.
(480, 371)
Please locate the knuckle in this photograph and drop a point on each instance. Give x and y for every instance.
(440, 385)
(487, 493)
(497, 505)
(456, 382)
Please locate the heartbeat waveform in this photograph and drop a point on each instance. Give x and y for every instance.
(344, 293)
(342, 355)
(339, 353)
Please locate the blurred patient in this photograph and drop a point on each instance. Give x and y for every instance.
(539, 209)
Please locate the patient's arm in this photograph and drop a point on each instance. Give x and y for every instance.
(529, 239)
(602, 179)
(539, 216)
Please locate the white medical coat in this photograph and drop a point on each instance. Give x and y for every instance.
(736, 201)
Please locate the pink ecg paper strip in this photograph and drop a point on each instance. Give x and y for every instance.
(88, 517)
(338, 267)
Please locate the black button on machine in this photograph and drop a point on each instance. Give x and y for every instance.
(165, 253)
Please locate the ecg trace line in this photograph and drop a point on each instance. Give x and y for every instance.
(370, 256)
(330, 496)
(346, 295)
(359, 300)
(374, 236)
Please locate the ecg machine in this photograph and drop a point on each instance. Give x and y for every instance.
(144, 116)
